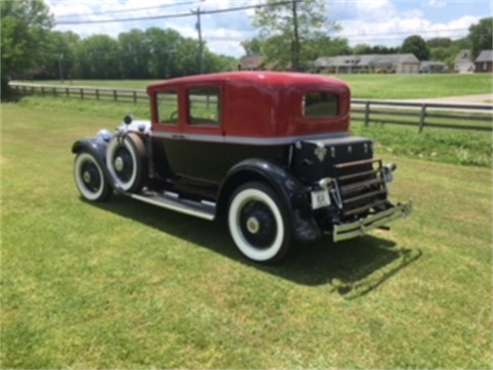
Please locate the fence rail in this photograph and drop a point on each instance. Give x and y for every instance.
(478, 117)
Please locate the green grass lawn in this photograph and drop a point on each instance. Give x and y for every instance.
(370, 86)
(449, 146)
(128, 285)
(417, 86)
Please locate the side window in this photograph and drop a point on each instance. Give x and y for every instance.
(204, 106)
(167, 107)
(320, 105)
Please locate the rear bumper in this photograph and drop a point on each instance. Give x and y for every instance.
(360, 227)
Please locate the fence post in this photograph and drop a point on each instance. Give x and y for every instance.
(97, 94)
(54, 91)
(135, 96)
(367, 113)
(32, 90)
(67, 91)
(422, 117)
(42, 90)
(114, 95)
(81, 94)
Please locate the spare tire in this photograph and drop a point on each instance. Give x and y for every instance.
(125, 160)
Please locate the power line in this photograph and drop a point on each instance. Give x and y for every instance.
(178, 15)
(131, 10)
(367, 35)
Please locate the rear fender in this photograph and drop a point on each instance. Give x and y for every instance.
(290, 190)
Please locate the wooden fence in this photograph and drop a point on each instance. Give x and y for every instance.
(478, 117)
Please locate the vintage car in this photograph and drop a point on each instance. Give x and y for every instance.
(269, 153)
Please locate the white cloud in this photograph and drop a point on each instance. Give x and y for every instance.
(392, 31)
(437, 3)
(363, 21)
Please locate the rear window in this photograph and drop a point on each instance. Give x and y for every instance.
(320, 105)
(204, 106)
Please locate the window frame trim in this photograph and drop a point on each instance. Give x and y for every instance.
(220, 112)
(158, 118)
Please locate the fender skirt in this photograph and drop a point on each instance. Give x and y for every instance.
(290, 190)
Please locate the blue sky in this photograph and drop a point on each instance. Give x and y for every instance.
(385, 22)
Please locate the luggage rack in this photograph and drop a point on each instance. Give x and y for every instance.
(361, 186)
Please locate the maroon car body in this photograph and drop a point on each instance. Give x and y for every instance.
(272, 152)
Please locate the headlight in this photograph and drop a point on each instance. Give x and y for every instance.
(387, 171)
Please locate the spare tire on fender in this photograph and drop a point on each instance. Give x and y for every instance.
(125, 160)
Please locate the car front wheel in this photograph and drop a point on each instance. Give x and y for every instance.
(89, 178)
(125, 162)
(257, 221)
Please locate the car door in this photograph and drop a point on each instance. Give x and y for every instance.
(167, 130)
(203, 156)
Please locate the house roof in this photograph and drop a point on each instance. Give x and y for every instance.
(252, 61)
(432, 63)
(485, 56)
(366, 60)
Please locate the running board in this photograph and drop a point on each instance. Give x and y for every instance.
(205, 210)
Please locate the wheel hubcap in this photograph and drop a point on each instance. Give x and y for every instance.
(90, 176)
(119, 164)
(86, 176)
(257, 224)
(253, 225)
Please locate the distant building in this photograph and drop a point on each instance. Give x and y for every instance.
(484, 62)
(433, 66)
(369, 63)
(463, 62)
(252, 63)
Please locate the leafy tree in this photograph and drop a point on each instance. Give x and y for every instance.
(99, 57)
(377, 49)
(134, 54)
(252, 46)
(325, 46)
(278, 29)
(481, 36)
(61, 56)
(24, 32)
(417, 46)
(439, 42)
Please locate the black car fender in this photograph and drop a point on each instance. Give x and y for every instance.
(97, 147)
(291, 190)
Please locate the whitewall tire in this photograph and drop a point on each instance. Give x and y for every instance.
(125, 162)
(90, 179)
(257, 222)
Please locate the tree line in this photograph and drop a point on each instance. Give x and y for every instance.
(31, 49)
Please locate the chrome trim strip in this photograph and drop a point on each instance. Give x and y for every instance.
(168, 204)
(248, 139)
(360, 227)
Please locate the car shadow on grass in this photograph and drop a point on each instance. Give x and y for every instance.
(352, 268)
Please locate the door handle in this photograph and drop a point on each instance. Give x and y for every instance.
(177, 136)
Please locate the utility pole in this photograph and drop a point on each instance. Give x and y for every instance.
(60, 69)
(295, 48)
(198, 26)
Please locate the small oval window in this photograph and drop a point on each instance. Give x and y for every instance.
(317, 105)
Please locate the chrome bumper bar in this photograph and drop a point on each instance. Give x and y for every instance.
(360, 227)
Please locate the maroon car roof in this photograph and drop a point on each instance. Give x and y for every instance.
(258, 77)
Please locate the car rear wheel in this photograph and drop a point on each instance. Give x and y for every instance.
(89, 178)
(125, 162)
(257, 221)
